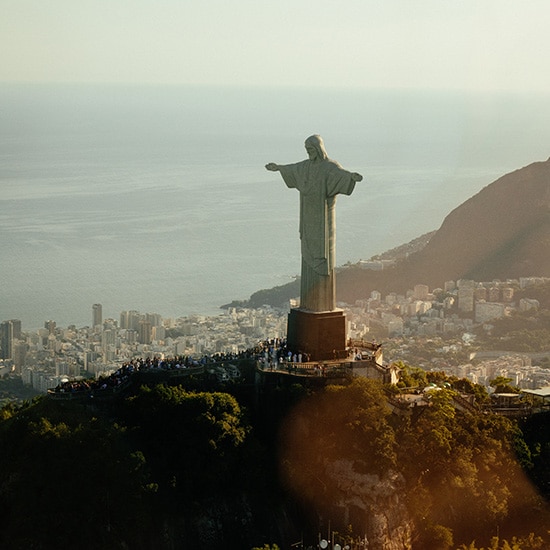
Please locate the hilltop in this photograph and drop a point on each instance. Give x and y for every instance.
(502, 232)
(170, 465)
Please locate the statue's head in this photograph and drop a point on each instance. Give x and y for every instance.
(315, 147)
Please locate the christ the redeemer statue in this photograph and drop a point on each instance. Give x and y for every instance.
(319, 180)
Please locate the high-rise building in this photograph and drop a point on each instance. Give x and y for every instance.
(16, 324)
(487, 311)
(6, 340)
(50, 325)
(19, 355)
(130, 319)
(480, 294)
(449, 286)
(421, 292)
(154, 318)
(145, 331)
(10, 332)
(97, 315)
(507, 294)
(158, 333)
(108, 338)
(124, 319)
(466, 289)
(493, 294)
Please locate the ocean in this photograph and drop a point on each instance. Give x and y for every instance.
(155, 198)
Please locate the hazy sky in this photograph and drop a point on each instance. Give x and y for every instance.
(458, 44)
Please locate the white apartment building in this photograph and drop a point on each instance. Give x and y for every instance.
(487, 311)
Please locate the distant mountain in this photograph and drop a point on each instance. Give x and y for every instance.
(501, 232)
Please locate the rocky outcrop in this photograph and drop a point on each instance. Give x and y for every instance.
(336, 456)
(380, 499)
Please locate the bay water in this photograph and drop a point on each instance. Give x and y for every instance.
(155, 198)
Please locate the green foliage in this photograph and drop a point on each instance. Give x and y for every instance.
(461, 468)
(521, 449)
(12, 390)
(531, 542)
(501, 384)
(540, 292)
(122, 472)
(522, 332)
(528, 340)
(7, 411)
(199, 433)
(358, 422)
(67, 475)
(463, 385)
(277, 296)
(535, 434)
(437, 537)
(411, 377)
(335, 426)
(52, 468)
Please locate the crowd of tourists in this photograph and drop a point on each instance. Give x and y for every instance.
(271, 354)
(275, 353)
(123, 374)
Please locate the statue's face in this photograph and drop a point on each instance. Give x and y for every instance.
(312, 152)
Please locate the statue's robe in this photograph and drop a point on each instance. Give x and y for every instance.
(318, 182)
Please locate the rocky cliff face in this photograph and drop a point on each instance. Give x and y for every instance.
(337, 457)
(501, 232)
(378, 499)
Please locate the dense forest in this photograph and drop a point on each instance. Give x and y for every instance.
(167, 467)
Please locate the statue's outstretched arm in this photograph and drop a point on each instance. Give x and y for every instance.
(272, 167)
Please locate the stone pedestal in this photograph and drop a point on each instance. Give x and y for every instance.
(320, 335)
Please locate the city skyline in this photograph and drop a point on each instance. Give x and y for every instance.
(448, 315)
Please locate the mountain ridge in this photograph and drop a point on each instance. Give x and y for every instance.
(501, 232)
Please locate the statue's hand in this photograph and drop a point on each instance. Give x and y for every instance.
(272, 167)
(356, 177)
